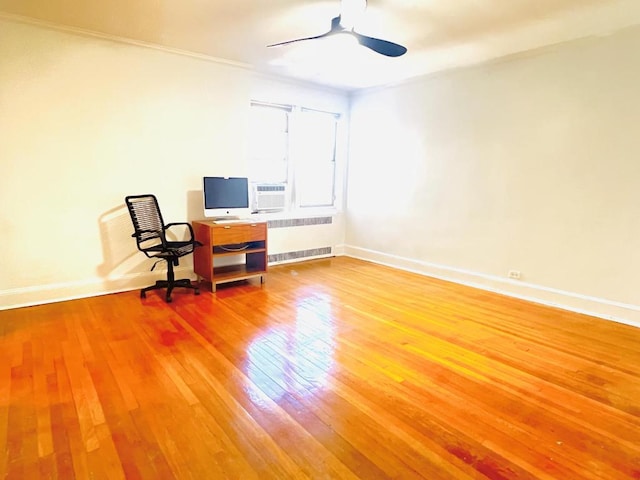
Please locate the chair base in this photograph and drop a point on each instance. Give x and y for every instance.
(170, 285)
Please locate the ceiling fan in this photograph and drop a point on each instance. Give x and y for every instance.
(344, 23)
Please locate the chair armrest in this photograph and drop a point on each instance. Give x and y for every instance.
(188, 225)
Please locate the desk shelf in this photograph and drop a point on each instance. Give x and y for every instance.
(231, 273)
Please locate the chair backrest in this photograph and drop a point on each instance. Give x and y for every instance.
(147, 220)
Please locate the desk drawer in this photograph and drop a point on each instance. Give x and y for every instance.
(231, 234)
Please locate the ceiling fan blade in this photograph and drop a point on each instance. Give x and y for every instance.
(335, 28)
(383, 47)
(300, 39)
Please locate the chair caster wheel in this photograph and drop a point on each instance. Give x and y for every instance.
(143, 295)
(169, 300)
(196, 291)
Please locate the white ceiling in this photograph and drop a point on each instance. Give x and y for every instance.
(439, 34)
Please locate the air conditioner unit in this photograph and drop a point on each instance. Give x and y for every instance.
(269, 197)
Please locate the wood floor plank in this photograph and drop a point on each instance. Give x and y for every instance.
(68, 429)
(335, 368)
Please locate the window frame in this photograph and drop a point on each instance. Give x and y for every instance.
(294, 123)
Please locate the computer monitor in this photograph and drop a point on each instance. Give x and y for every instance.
(226, 197)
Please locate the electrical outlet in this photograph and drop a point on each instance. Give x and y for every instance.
(515, 274)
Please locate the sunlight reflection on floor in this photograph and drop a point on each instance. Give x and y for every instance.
(295, 358)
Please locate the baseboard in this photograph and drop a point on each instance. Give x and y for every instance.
(597, 307)
(339, 250)
(59, 292)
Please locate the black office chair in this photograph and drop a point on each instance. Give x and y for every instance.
(150, 234)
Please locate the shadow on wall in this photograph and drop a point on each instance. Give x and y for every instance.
(195, 206)
(119, 250)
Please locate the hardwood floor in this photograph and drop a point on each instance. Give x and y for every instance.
(332, 369)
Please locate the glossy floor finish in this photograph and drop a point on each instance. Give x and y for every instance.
(332, 369)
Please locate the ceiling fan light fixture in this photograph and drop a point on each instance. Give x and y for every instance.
(351, 12)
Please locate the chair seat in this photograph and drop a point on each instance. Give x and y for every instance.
(172, 249)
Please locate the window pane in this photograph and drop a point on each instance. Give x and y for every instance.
(315, 185)
(268, 144)
(315, 166)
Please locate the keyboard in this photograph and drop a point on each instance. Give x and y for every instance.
(232, 220)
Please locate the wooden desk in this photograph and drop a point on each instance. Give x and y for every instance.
(219, 240)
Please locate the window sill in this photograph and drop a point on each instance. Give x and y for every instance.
(298, 213)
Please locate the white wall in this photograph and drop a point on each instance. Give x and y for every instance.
(526, 164)
(86, 121)
(530, 164)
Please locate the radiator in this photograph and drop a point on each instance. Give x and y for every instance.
(300, 254)
(295, 239)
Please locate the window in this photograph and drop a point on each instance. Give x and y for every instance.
(296, 147)
(316, 160)
(269, 143)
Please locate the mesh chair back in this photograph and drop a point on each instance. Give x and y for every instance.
(146, 218)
